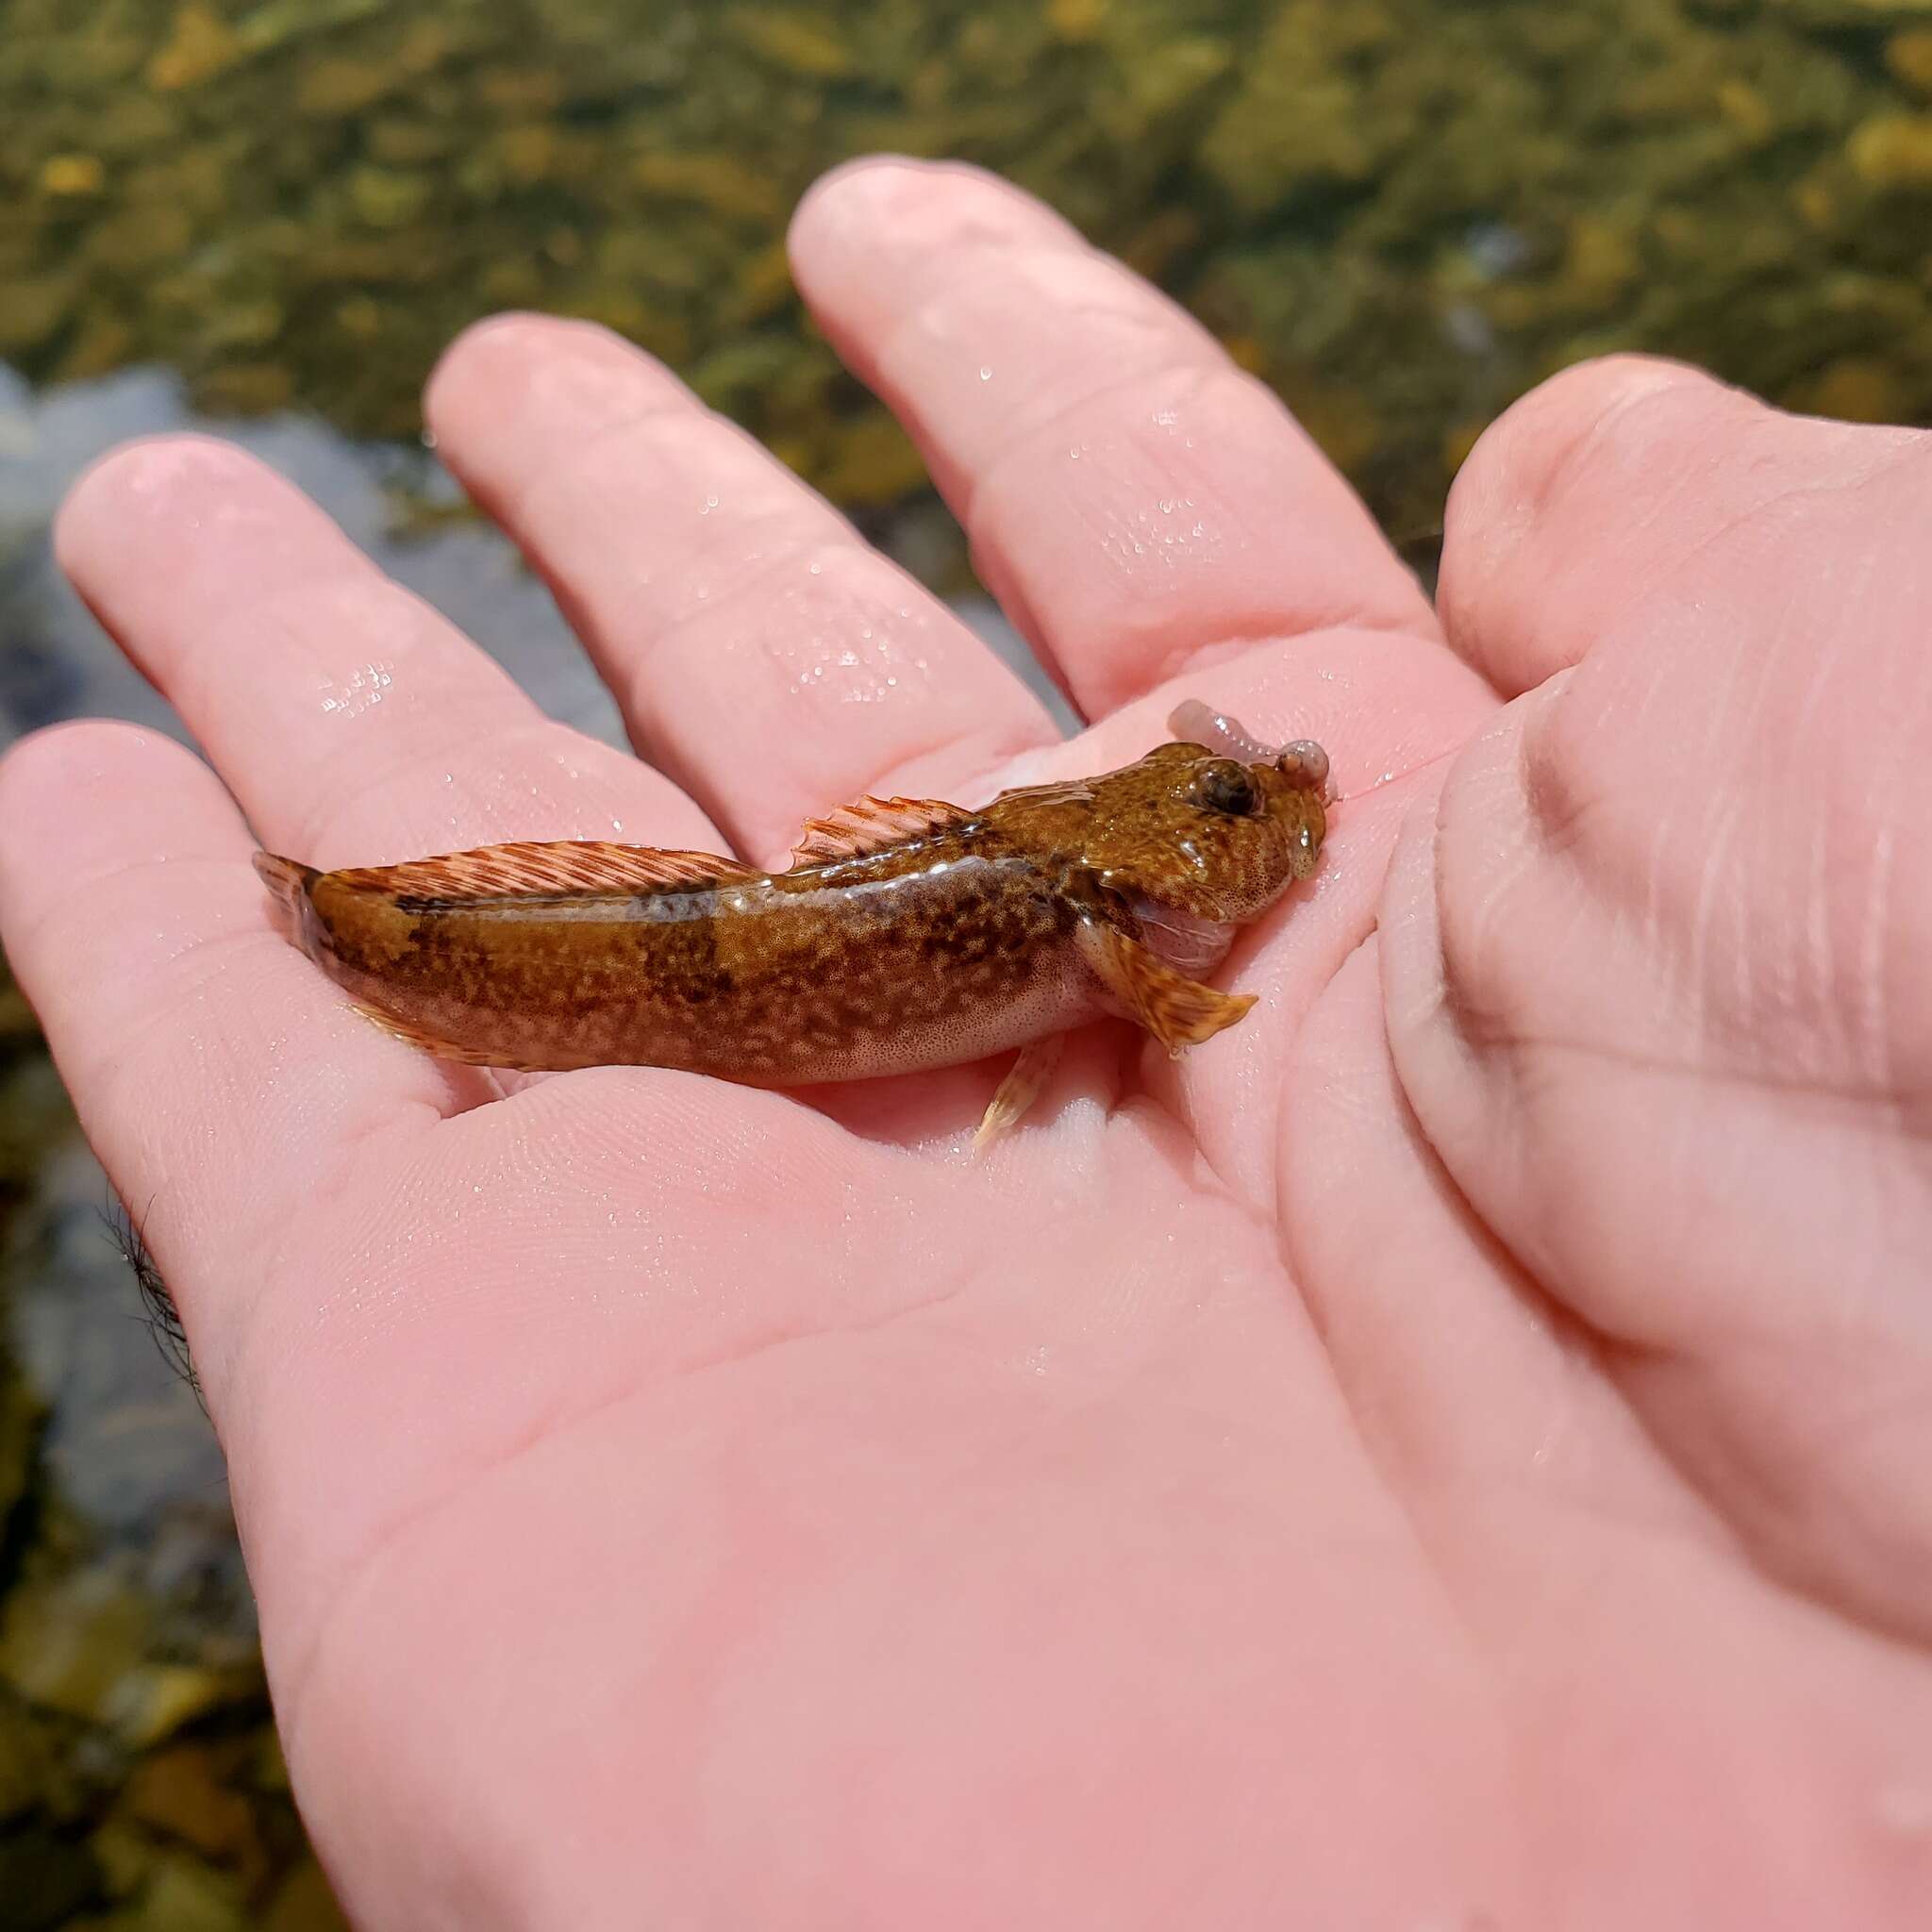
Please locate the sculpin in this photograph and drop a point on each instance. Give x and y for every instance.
(909, 934)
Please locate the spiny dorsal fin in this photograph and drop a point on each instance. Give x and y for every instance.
(871, 825)
(542, 869)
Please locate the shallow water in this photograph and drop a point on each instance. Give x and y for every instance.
(268, 216)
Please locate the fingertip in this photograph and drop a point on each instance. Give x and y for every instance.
(147, 479)
(580, 376)
(886, 205)
(472, 348)
(858, 193)
(161, 538)
(487, 348)
(852, 184)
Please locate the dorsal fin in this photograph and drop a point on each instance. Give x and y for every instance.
(871, 825)
(542, 869)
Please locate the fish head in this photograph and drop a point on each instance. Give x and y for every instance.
(1213, 824)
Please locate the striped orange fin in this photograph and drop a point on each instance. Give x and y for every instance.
(1177, 1010)
(541, 870)
(871, 825)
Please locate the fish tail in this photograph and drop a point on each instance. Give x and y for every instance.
(287, 881)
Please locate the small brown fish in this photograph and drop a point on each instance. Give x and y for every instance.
(909, 935)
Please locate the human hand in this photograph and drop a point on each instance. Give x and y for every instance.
(1451, 1452)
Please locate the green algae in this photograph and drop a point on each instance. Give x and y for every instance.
(1413, 210)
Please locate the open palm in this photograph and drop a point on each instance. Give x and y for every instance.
(1450, 1454)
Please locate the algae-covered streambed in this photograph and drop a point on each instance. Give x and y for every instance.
(271, 215)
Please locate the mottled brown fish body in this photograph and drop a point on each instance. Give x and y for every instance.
(825, 974)
(912, 934)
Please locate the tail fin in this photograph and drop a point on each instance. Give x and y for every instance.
(288, 882)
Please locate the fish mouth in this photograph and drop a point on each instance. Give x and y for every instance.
(1302, 762)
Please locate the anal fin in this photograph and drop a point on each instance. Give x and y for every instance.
(1178, 1012)
(438, 1048)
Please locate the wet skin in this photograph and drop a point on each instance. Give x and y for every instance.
(1451, 1454)
(910, 935)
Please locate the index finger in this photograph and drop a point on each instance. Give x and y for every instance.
(1135, 501)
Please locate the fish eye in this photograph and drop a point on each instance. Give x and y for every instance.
(1224, 785)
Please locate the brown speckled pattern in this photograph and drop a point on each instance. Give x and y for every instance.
(938, 948)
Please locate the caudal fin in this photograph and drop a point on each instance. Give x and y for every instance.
(287, 881)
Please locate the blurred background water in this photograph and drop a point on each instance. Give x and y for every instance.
(267, 216)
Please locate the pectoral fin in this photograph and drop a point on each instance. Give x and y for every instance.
(1178, 1012)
